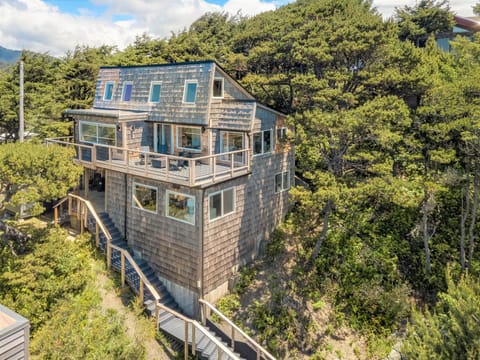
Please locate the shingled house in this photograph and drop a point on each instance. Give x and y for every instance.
(195, 171)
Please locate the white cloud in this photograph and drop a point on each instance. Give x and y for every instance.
(38, 26)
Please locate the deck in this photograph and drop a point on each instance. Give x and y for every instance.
(190, 171)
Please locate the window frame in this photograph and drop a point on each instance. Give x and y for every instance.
(112, 83)
(282, 133)
(222, 144)
(221, 192)
(152, 84)
(185, 92)
(167, 201)
(96, 124)
(282, 178)
(222, 88)
(187, 148)
(134, 205)
(262, 138)
(125, 84)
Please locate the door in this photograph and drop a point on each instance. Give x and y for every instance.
(163, 139)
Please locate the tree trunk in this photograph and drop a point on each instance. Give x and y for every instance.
(327, 210)
(476, 188)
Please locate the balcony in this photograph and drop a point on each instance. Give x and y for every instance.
(183, 170)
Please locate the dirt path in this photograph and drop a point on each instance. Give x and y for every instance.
(139, 329)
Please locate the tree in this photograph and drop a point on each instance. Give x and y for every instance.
(476, 9)
(32, 173)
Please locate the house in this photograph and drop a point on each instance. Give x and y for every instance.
(464, 26)
(193, 169)
(14, 335)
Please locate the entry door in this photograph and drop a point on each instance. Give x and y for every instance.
(163, 139)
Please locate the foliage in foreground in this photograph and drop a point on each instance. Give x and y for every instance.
(451, 330)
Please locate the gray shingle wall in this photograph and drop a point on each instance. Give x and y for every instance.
(115, 199)
(170, 108)
(230, 114)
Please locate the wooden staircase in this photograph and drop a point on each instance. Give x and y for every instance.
(195, 337)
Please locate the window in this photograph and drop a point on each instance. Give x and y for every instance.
(282, 134)
(181, 207)
(232, 141)
(189, 138)
(96, 133)
(190, 92)
(108, 94)
(218, 88)
(127, 91)
(221, 203)
(155, 88)
(282, 181)
(262, 142)
(144, 197)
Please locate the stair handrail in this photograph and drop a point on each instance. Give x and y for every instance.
(196, 325)
(234, 327)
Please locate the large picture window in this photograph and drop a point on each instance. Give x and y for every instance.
(262, 142)
(96, 133)
(221, 203)
(232, 141)
(189, 138)
(282, 181)
(108, 94)
(181, 207)
(144, 197)
(190, 92)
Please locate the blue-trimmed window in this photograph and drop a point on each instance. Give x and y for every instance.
(108, 94)
(127, 91)
(155, 88)
(190, 92)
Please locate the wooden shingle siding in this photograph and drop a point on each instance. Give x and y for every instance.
(230, 90)
(230, 114)
(170, 108)
(264, 119)
(115, 201)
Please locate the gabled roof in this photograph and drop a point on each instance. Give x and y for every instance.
(469, 23)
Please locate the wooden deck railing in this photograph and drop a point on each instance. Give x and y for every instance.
(234, 329)
(85, 213)
(190, 171)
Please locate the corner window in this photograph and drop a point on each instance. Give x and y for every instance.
(190, 92)
(281, 134)
(144, 197)
(127, 91)
(218, 88)
(221, 203)
(96, 133)
(262, 142)
(189, 138)
(181, 207)
(232, 141)
(155, 88)
(282, 181)
(108, 94)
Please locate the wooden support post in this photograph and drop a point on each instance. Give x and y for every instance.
(122, 268)
(186, 341)
(191, 171)
(55, 216)
(140, 291)
(194, 345)
(97, 235)
(219, 353)
(157, 314)
(109, 254)
(80, 208)
(233, 338)
(232, 165)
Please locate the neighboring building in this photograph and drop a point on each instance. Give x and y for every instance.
(14, 335)
(464, 26)
(195, 170)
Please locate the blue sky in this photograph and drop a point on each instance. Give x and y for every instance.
(56, 26)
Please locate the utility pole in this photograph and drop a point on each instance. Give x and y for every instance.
(20, 114)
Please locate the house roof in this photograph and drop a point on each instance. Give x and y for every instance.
(468, 23)
(109, 113)
(10, 320)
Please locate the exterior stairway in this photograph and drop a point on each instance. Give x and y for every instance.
(168, 322)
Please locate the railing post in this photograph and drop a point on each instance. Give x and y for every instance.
(55, 216)
(97, 235)
(157, 313)
(109, 253)
(232, 164)
(233, 338)
(140, 290)
(122, 268)
(219, 353)
(94, 154)
(80, 208)
(194, 345)
(185, 349)
(191, 171)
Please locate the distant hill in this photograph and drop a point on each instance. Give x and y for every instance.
(8, 56)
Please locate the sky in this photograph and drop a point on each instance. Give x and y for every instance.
(56, 26)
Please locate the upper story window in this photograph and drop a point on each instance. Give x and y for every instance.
(189, 138)
(282, 181)
(181, 207)
(281, 134)
(127, 91)
(144, 197)
(232, 141)
(155, 88)
(262, 142)
(221, 203)
(190, 92)
(96, 133)
(218, 88)
(108, 94)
